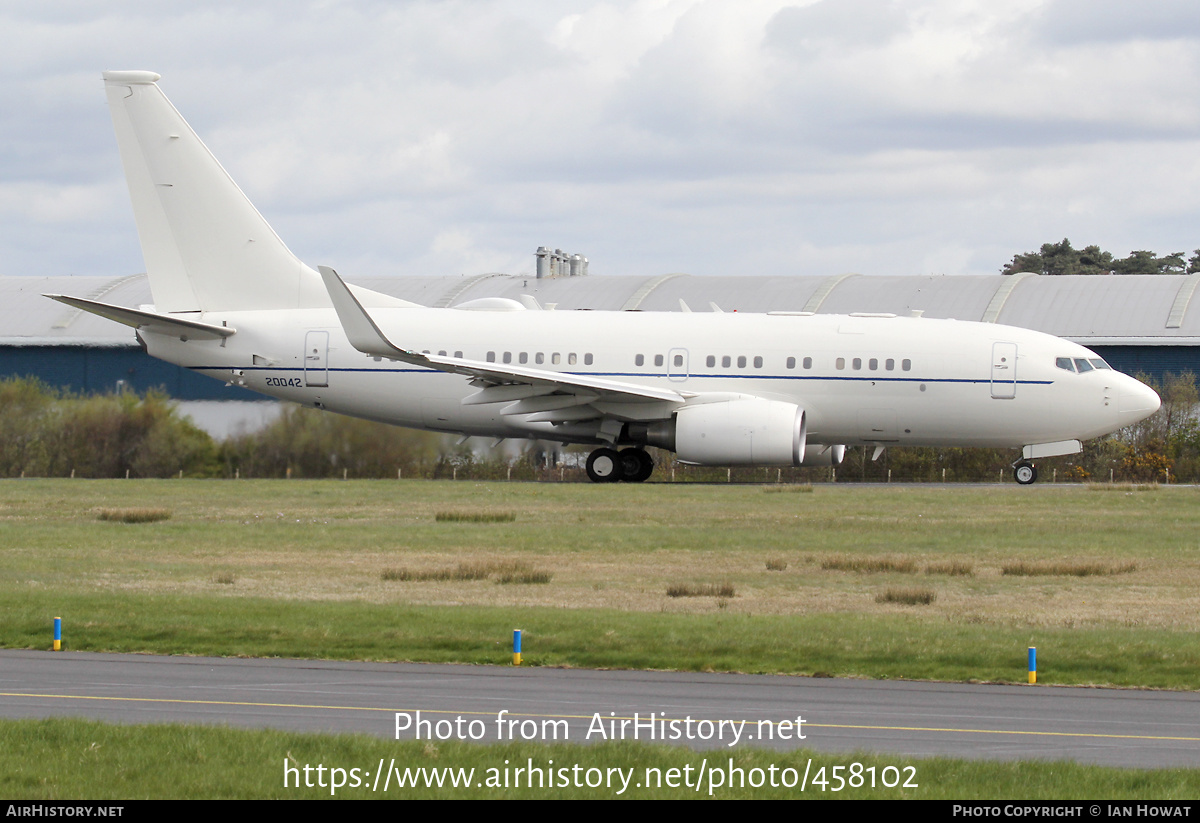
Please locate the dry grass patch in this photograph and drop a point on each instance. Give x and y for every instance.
(954, 568)
(1066, 569)
(515, 571)
(722, 590)
(776, 565)
(505, 571)
(475, 517)
(902, 565)
(133, 515)
(224, 578)
(801, 488)
(907, 597)
(1122, 487)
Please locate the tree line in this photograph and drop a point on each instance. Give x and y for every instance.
(45, 432)
(1062, 258)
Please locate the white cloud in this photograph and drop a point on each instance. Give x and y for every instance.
(710, 136)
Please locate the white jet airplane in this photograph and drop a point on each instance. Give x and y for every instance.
(718, 389)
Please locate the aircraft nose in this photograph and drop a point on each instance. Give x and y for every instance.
(1138, 401)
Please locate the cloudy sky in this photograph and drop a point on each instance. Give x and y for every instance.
(704, 136)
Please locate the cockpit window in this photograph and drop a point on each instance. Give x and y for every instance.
(1083, 365)
(1098, 363)
(1064, 363)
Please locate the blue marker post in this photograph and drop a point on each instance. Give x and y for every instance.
(1032, 665)
(516, 647)
(58, 634)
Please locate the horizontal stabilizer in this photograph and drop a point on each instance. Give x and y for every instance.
(148, 320)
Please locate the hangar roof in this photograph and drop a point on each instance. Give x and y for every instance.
(1113, 309)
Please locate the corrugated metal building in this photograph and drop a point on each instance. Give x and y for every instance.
(1139, 323)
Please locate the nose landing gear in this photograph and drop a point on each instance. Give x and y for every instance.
(1024, 472)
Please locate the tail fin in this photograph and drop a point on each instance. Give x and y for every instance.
(206, 247)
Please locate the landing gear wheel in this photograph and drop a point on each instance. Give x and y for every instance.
(636, 465)
(604, 466)
(1025, 473)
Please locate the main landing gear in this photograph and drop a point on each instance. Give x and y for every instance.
(611, 466)
(1024, 472)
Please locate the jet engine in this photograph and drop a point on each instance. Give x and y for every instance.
(746, 432)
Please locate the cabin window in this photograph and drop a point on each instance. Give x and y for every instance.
(840, 363)
(508, 357)
(658, 359)
(587, 359)
(758, 362)
(678, 360)
(556, 358)
(491, 357)
(808, 362)
(889, 364)
(725, 361)
(873, 364)
(906, 365)
(572, 359)
(539, 358)
(458, 354)
(857, 363)
(791, 362)
(442, 353)
(524, 358)
(639, 360)
(741, 361)
(711, 361)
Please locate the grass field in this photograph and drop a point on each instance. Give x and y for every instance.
(948, 583)
(71, 759)
(1105, 584)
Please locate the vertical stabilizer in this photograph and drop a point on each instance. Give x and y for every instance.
(206, 247)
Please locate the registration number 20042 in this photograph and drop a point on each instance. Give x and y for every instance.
(284, 381)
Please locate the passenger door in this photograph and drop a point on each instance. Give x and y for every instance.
(1004, 371)
(316, 358)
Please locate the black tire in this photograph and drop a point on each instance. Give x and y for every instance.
(1025, 473)
(604, 466)
(636, 465)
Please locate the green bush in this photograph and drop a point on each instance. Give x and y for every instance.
(314, 443)
(45, 432)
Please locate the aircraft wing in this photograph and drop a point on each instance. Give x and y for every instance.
(548, 396)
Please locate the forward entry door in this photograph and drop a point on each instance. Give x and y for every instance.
(1004, 371)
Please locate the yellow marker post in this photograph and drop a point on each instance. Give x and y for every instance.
(1032, 665)
(58, 634)
(516, 647)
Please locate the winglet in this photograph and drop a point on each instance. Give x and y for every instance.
(360, 329)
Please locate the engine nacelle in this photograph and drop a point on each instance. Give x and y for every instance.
(824, 456)
(749, 432)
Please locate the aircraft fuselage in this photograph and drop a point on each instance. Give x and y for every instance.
(860, 379)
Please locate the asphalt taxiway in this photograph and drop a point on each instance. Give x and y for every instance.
(1148, 729)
